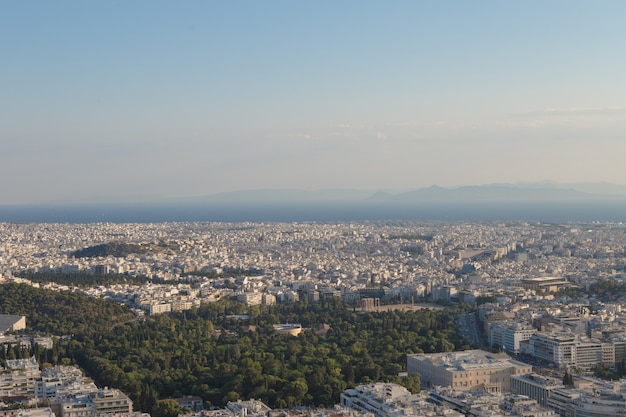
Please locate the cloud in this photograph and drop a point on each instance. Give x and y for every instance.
(584, 111)
(579, 117)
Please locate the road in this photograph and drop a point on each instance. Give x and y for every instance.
(470, 329)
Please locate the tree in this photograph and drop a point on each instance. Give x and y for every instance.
(297, 389)
(568, 379)
(148, 399)
(167, 408)
(170, 355)
(412, 383)
(603, 372)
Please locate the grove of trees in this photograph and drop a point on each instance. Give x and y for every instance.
(203, 352)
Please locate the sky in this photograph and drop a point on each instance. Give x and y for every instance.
(145, 100)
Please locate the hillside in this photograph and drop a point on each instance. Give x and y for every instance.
(115, 249)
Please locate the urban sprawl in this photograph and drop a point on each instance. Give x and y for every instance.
(515, 275)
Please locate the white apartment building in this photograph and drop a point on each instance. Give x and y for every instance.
(19, 378)
(557, 348)
(508, 335)
(250, 298)
(250, 408)
(372, 398)
(570, 402)
(60, 381)
(564, 349)
(181, 305)
(159, 308)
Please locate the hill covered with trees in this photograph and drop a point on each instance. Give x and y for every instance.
(116, 249)
(56, 313)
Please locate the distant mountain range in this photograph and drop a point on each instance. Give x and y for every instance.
(529, 192)
(290, 194)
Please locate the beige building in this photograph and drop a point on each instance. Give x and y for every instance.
(112, 401)
(76, 406)
(9, 323)
(467, 370)
(105, 402)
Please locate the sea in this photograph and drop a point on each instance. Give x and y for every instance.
(552, 212)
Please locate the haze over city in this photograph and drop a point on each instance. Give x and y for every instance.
(312, 209)
(150, 100)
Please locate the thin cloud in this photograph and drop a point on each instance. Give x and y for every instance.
(579, 111)
(598, 110)
(583, 117)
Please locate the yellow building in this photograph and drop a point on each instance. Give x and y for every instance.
(467, 370)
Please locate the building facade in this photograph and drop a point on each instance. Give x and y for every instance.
(468, 370)
(509, 335)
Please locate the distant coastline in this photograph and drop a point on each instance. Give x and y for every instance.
(613, 211)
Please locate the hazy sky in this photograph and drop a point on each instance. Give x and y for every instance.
(131, 100)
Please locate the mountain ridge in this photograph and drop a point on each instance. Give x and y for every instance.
(535, 191)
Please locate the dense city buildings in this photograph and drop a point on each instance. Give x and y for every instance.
(391, 400)
(284, 262)
(521, 282)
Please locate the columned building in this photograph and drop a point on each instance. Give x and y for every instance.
(468, 370)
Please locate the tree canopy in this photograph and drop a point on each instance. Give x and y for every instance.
(208, 353)
(116, 249)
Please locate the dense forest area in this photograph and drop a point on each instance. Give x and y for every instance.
(59, 314)
(209, 353)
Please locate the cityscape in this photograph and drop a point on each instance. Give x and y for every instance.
(312, 209)
(526, 287)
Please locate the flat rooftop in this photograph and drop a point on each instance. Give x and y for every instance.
(469, 359)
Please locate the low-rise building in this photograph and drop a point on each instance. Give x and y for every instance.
(250, 408)
(104, 402)
(468, 370)
(391, 400)
(537, 387)
(19, 378)
(190, 402)
(372, 398)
